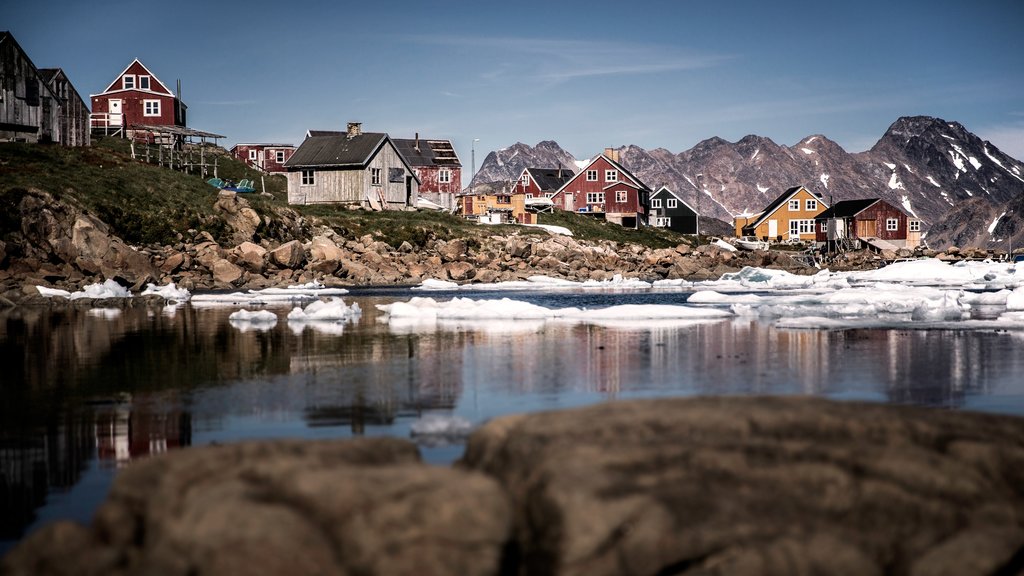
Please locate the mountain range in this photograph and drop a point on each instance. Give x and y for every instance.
(964, 189)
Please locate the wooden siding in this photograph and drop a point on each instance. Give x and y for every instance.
(514, 204)
(73, 122)
(573, 195)
(354, 185)
(783, 215)
(872, 223)
(266, 156)
(29, 110)
(682, 218)
(431, 188)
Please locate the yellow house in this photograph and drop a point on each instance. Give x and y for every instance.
(788, 217)
(500, 207)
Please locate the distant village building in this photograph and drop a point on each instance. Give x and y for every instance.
(266, 157)
(667, 210)
(135, 100)
(351, 167)
(788, 217)
(38, 105)
(850, 224)
(437, 166)
(496, 207)
(541, 182)
(606, 189)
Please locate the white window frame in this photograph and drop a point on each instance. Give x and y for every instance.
(794, 205)
(663, 222)
(595, 197)
(914, 225)
(892, 224)
(671, 203)
(621, 196)
(375, 176)
(253, 154)
(656, 203)
(801, 226)
(591, 175)
(611, 175)
(824, 225)
(308, 178)
(279, 156)
(550, 194)
(444, 176)
(150, 108)
(128, 81)
(143, 79)
(810, 205)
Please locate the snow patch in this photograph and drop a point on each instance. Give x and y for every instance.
(756, 152)
(933, 182)
(824, 180)
(807, 151)
(894, 182)
(992, 226)
(905, 201)
(762, 189)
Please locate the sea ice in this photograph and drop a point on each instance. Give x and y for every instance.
(259, 320)
(168, 291)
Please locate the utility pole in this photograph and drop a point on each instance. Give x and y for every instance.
(472, 175)
(700, 190)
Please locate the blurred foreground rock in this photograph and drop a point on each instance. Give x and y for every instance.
(680, 486)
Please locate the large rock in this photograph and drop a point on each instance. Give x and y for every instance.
(251, 256)
(292, 508)
(323, 248)
(288, 255)
(226, 272)
(760, 486)
(238, 215)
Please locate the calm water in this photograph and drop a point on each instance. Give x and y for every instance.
(85, 393)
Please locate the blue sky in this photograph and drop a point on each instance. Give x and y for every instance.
(588, 75)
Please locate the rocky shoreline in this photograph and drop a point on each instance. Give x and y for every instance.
(716, 485)
(62, 247)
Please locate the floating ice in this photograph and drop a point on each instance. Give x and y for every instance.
(332, 309)
(438, 429)
(539, 282)
(53, 292)
(105, 313)
(246, 320)
(107, 289)
(267, 296)
(168, 292)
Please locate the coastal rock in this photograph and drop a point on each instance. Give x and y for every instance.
(237, 214)
(172, 263)
(453, 250)
(323, 248)
(288, 255)
(366, 506)
(759, 486)
(225, 272)
(459, 271)
(251, 256)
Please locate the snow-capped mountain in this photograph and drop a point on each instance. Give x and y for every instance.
(933, 169)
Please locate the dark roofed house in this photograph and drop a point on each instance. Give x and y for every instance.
(670, 211)
(606, 189)
(542, 182)
(352, 167)
(73, 119)
(437, 166)
(870, 221)
(263, 156)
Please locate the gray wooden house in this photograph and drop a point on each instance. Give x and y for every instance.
(351, 167)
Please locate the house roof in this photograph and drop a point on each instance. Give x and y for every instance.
(422, 152)
(152, 77)
(782, 199)
(633, 180)
(550, 178)
(339, 150)
(847, 208)
(263, 144)
(665, 190)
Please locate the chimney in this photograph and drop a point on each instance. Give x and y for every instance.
(354, 129)
(417, 147)
(612, 154)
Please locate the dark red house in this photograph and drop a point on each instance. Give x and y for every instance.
(606, 189)
(868, 220)
(265, 157)
(541, 182)
(136, 97)
(437, 166)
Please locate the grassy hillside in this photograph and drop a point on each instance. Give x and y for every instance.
(148, 204)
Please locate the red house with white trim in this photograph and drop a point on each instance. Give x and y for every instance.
(265, 157)
(604, 187)
(136, 97)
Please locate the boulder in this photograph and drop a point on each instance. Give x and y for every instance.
(225, 272)
(251, 256)
(237, 214)
(759, 485)
(452, 250)
(172, 263)
(288, 255)
(323, 248)
(366, 506)
(459, 271)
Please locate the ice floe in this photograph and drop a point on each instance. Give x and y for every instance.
(106, 289)
(267, 296)
(168, 291)
(539, 282)
(325, 316)
(440, 429)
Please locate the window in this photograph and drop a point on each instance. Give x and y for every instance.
(307, 178)
(800, 226)
(671, 203)
(128, 82)
(620, 195)
(375, 176)
(595, 197)
(656, 203)
(150, 107)
(591, 175)
(252, 154)
(824, 226)
(663, 222)
(529, 196)
(503, 199)
(549, 194)
(892, 224)
(611, 176)
(444, 176)
(143, 82)
(524, 179)
(279, 156)
(811, 205)
(794, 205)
(914, 225)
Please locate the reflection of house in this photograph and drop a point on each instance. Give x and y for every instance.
(351, 167)
(123, 435)
(670, 211)
(136, 97)
(265, 157)
(436, 165)
(788, 217)
(870, 220)
(38, 105)
(605, 188)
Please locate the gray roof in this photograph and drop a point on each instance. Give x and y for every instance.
(550, 178)
(847, 208)
(423, 152)
(336, 149)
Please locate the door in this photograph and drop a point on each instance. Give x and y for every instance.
(568, 201)
(865, 228)
(773, 229)
(116, 118)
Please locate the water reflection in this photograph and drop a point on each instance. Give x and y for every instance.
(86, 392)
